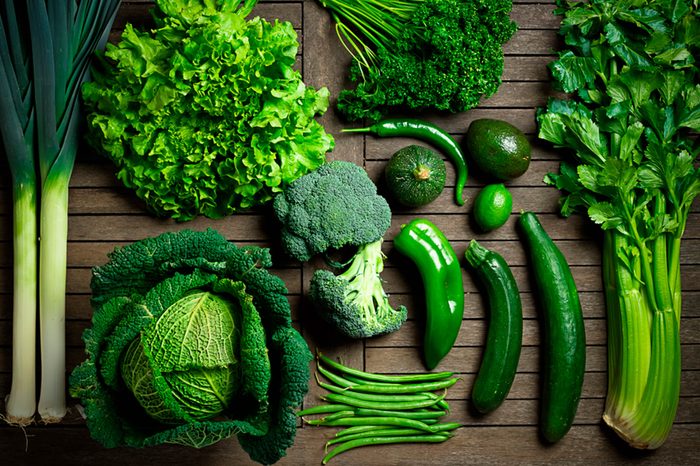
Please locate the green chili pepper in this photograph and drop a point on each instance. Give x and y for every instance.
(440, 270)
(427, 132)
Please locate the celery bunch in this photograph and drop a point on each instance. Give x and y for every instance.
(632, 66)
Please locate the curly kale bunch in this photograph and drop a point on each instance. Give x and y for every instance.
(447, 56)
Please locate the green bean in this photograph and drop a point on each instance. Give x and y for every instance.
(377, 396)
(357, 429)
(362, 442)
(375, 433)
(442, 403)
(338, 380)
(446, 426)
(408, 388)
(379, 421)
(322, 409)
(386, 431)
(397, 406)
(340, 414)
(406, 414)
(428, 377)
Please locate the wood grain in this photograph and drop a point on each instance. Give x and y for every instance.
(104, 215)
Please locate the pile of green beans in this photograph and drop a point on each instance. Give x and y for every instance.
(378, 409)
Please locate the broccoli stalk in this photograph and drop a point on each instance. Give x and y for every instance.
(354, 302)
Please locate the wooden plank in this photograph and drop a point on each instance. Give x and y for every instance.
(473, 333)
(467, 359)
(533, 42)
(78, 280)
(535, 16)
(383, 149)
(592, 303)
(477, 445)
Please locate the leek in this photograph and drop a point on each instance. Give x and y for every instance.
(53, 42)
(17, 130)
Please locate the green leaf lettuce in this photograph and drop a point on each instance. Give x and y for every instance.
(206, 114)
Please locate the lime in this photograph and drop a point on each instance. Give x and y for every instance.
(492, 206)
(498, 148)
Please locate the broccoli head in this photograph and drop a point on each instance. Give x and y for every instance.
(354, 302)
(334, 206)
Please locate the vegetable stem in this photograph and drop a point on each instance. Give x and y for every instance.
(21, 403)
(52, 295)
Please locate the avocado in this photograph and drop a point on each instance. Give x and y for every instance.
(498, 148)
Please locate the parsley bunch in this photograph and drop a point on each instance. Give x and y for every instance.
(431, 54)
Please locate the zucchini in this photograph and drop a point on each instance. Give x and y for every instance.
(564, 338)
(415, 176)
(505, 335)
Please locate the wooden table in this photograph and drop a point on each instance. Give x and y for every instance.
(104, 215)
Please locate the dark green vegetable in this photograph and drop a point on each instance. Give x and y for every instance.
(363, 442)
(354, 302)
(497, 148)
(426, 132)
(564, 339)
(428, 377)
(505, 334)
(332, 207)
(386, 413)
(359, 403)
(420, 415)
(322, 409)
(340, 414)
(189, 355)
(352, 430)
(374, 420)
(403, 388)
(427, 247)
(415, 176)
(379, 432)
(420, 54)
(629, 129)
(376, 396)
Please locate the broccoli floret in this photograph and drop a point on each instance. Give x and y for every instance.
(334, 206)
(354, 302)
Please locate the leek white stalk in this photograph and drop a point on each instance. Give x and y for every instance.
(52, 297)
(21, 402)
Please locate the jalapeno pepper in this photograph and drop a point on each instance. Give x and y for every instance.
(427, 247)
(426, 132)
